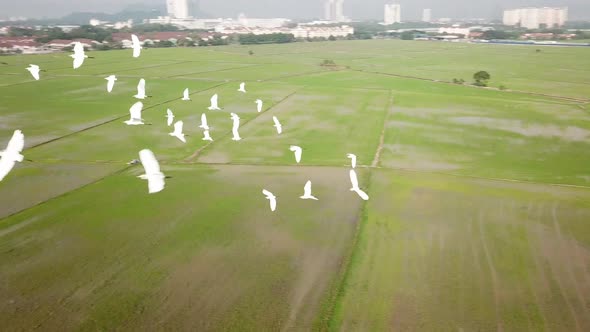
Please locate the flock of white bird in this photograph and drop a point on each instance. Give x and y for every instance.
(153, 174)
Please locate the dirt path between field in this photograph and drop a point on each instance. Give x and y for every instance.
(389, 111)
(201, 149)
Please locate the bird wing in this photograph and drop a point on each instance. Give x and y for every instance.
(78, 49)
(78, 61)
(204, 120)
(267, 193)
(155, 184)
(110, 85)
(149, 162)
(354, 180)
(352, 159)
(273, 204)
(185, 93)
(307, 189)
(135, 110)
(6, 166)
(276, 121)
(214, 99)
(17, 142)
(136, 46)
(170, 114)
(141, 87)
(178, 127)
(362, 194)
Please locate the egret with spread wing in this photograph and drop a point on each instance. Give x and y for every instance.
(34, 70)
(12, 154)
(298, 151)
(79, 56)
(307, 192)
(355, 186)
(110, 82)
(178, 131)
(170, 117)
(204, 124)
(214, 103)
(136, 45)
(235, 127)
(140, 90)
(152, 174)
(277, 125)
(272, 198)
(259, 105)
(135, 115)
(185, 95)
(242, 87)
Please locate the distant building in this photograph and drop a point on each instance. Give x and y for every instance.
(535, 18)
(178, 8)
(393, 13)
(334, 10)
(427, 15)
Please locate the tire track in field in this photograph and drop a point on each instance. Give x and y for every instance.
(388, 112)
(494, 274)
(118, 118)
(562, 250)
(197, 153)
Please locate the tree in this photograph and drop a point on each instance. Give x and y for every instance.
(331, 38)
(250, 52)
(481, 78)
(407, 35)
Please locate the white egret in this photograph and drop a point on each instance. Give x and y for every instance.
(214, 106)
(110, 82)
(34, 70)
(204, 124)
(298, 151)
(242, 87)
(79, 56)
(272, 198)
(185, 95)
(140, 90)
(206, 136)
(135, 115)
(152, 174)
(235, 127)
(12, 154)
(258, 105)
(355, 186)
(277, 125)
(170, 117)
(307, 192)
(178, 131)
(136, 46)
(352, 158)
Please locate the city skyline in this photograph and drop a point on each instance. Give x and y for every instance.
(295, 9)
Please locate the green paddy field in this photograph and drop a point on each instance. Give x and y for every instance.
(479, 210)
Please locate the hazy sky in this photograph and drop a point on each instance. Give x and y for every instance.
(357, 9)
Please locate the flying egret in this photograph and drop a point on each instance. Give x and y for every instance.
(110, 82)
(79, 56)
(298, 151)
(235, 127)
(272, 198)
(277, 125)
(170, 117)
(352, 158)
(140, 90)
(355, 186)
(34, 70)
(258, 105)
(204, 124)
(307, 192)
(242, 87)
(185, 95)
(178, 131)
(136, 46)
(135, 115)
(12, 154)
(214, 106)
(206, 136)
(152, 171)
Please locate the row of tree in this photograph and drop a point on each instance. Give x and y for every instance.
(275, 38)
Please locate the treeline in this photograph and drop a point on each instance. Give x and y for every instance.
(275, 38)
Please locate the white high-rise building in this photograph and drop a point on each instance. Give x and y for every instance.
(534, 18)
(334, 10)
(393, 13)
(427, 15)
(178, 8)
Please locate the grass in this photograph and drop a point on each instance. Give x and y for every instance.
(441, 245)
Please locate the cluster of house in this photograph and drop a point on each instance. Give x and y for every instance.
(299, 31)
